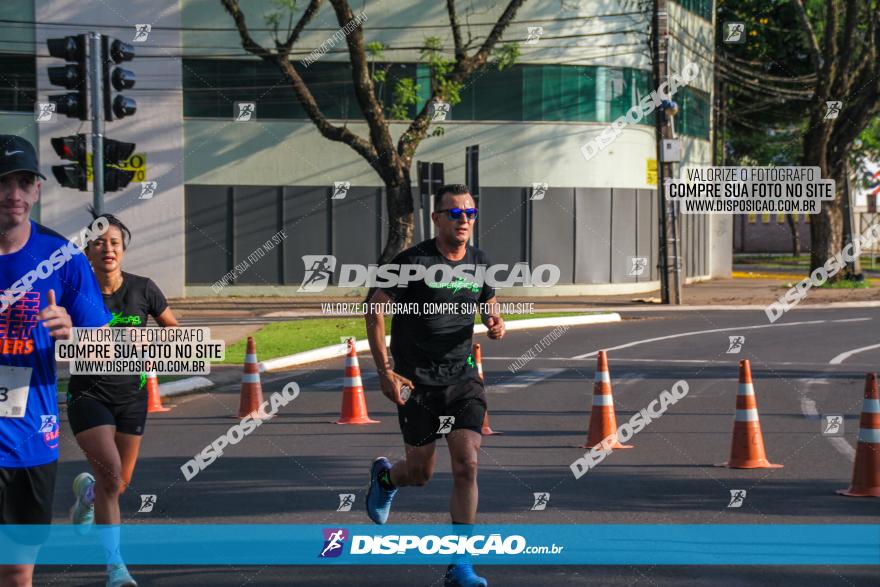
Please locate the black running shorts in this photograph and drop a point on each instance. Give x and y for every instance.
(86, 412)
(425, 413)
(26, 494)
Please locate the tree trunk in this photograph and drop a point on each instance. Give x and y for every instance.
(826, 235)
(401, 215)
(826, 227)
(795, 235)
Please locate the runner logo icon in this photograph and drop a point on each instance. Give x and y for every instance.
(346, 500)
(446, 423)
(737, 497)
(48, 423)
(334, 541)
(319, 270)
(735, 344)
(541, 501)
(147, 504)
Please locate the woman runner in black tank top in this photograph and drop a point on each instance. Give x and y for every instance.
(107, 412)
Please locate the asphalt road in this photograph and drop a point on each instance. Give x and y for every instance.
(292, 468)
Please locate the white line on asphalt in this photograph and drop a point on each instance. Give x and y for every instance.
(658, 361)
(526, 379)
(808, 407)
(629, 379)
(844, 356)
(852, 320)
(337, 382)
(694, 333)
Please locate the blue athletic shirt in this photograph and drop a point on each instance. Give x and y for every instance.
(33, 439)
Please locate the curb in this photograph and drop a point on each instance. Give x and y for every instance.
(339, 350)
(184, 386)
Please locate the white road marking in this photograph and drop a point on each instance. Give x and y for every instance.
(844, 356)
(336, 382)
(525, 379)
(694, 333)
(852, 320)
(808, 407)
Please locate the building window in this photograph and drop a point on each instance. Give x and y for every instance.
(18, 83)
(693, 119)
(702, 8)
(554, 93)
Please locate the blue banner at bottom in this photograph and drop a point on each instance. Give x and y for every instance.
(605, 544)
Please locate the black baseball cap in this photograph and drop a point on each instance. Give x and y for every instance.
(17, 154)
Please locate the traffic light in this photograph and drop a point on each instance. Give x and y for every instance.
(71, 148)
(71, 76)
(115, 51)
(115, 153)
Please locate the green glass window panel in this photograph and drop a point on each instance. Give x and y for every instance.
(423, 80)
(694, 113)
(18, 83)
(523, 92)
(702, 8)
(586, 94)
(552, 89)
(569, 93)
(645, 87)
(497, 95)
(533, 93)
(617, 93)
(464, 110)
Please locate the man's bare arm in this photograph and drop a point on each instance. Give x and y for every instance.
(492, 320)
(375, 318)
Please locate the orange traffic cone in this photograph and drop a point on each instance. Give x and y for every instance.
(603, 421)
(747, 450)
(478, 359)
(866, 471)
(251, 400)
(154, 400)
(354, 404)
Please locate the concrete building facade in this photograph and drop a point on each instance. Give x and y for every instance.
(225, 187)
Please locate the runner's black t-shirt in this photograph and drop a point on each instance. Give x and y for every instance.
(435, 348)
(131, 304)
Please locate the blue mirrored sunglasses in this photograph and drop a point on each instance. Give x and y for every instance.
(455, 213)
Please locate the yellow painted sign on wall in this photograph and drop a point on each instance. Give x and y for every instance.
(651, 172)
(136, 163)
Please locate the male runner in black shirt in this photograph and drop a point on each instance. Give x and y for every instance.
(432, 356)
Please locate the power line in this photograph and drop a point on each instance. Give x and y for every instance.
(334, 28)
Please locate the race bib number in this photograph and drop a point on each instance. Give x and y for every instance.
(15, 383)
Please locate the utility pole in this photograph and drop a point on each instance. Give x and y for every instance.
(97, 102)
(670, 285)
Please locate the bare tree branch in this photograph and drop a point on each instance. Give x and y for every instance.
(303, 94)
(815, 52)
(247, 41)
(482, 56)
(305, 19)
(845, 70)
(464, 66)
(456, 31)
(364, 90)
(829, 49)
(329, 131)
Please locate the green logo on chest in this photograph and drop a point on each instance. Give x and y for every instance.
(456, 285)
(120, 320)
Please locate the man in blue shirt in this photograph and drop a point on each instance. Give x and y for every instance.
(46, 288)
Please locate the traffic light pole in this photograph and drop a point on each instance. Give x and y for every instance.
(670, 285)
(97, 101)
